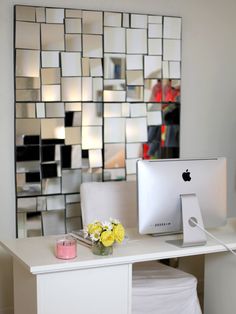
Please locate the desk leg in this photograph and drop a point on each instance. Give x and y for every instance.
(220, 283)
(101, 290)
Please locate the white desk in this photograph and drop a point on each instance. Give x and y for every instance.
(91, 284)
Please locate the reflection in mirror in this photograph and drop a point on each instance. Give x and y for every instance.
(50, 59)
(49, 170)
(41, 203)
(73, 42)
(74, 13)
(153, 90)
(52, 129)
(138, 21)
(51, 186)
(96, 67)
(85, 67)
(138, 110)
(136, 46)
(73, 118)
(95, 158)
(114, 130)
(25, 13)
(73, 26)
(134, 77)
(92, 46)
(72, 135)
(112, 110)
(152, 66)
(71, 88)
(40, 15)
(171, 113)
(71, 156)
(114, 84)
(134, 93)
(53, 222)
(25, 127)
(54, 15)
(114, 155)
(114, 39)
(112, 19)
(55, 110)
(27, 95)
(97, 89)
(171, 49)
(40, 110)
(55, 202)
(50, 76)
(27, 166)
(172, 27)
(154, 117)
(27, 35)
(50, 153)
(26, 204)
(134, 62)
(155, 30)
(92, 114)
(136, 130)
(125, 69)
(52, 37)
(155, 46)
(131, 166)
(72, 198)
(75, 106)
(33, 224)
(114, 95)
(171, 90)
(92, 22)
(134, 150)
(114, 66)
(114, 174)
(51, 92)
(125, 109)
(24, 187)
(89, 175)
(91, 137)
(27, 63)
(71, 180)
(174, 70)
(87, 88)
(126, 18)
(71, 63)
(27, 83)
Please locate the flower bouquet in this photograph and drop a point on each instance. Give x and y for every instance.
(104, 235)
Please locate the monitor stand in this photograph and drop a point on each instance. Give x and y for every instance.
(192, 234)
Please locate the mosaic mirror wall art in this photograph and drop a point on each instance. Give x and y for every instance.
(94, 92)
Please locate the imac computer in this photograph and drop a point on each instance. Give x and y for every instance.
(180, 195)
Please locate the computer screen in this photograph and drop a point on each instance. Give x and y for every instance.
(162, 183)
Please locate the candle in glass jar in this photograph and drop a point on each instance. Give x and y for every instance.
(66, 248)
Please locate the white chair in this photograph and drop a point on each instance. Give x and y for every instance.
(156, 288)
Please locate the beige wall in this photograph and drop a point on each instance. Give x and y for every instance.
(208, 117)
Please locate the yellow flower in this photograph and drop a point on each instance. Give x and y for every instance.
(107, 238)
(119, 233)
(94, 228)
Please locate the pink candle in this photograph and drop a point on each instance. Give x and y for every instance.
(66, 248)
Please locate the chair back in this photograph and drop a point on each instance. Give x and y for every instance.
(113, 199)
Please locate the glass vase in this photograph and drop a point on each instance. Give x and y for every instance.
(99, 249)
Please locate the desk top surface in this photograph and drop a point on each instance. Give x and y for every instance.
(38, 253)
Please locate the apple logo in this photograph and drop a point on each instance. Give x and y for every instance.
(186, 175)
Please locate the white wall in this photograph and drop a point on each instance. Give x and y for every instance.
(208, 115)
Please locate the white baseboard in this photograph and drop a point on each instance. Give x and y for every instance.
(7, 310)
